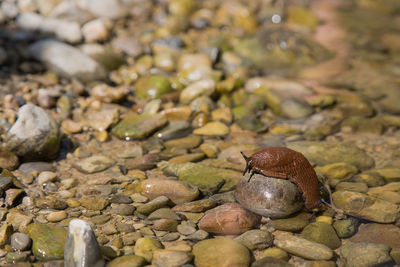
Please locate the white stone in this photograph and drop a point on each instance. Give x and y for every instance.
(29, 21)
(45, 177)
(9, 9)
(95, 30)
(81, 248)
(112, 9)
(200, 88)
(67, 60)
(69, 31)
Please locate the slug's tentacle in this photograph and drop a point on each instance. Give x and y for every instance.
(248, 164)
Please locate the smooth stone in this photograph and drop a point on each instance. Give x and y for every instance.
(5, 182)
(215, 128)
(153, 205)
(196, 89)
(91, 203)
(196, 206)
(349, 186)
(102, 119)
(210, 150)
(293, 224)
(94, 164)
(36, 166)
(45, 177)
(167, 225)
(302, 247)
(192, 157)
(67, 60)
(139, 126)
(8, 160)
(255, 239)
(177, 191)
(322, 233)
(153, 87)
(128, 260)
(20, 241)
(111, 9)
(95, 30)
(108, 94)
(48, 241)
(145, 247)
(143, 163)
(221, 252)
(169, 237)
(338, 171)
(121, 199)
(324, 153)
(229, 218)
(174, 129)
(67, 31)
(171, 258)
(370, 178)
(206, 178)
(81, 247)
(6, 231)
(198, 235)
(271, 262)
(185, 142)
(364, 254)
(346, 228)
(18, 219)
(35, 135)
(389, 192)
(365, 207)
(269, 197)
(56, 216)
(185, 229)
(122, 209)
(389, 174)
(379, 234)
(275, 252)
(180, 113)
(51, 202)
(163, 213)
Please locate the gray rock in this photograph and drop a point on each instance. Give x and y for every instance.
(36, 166)
(269, 197)
(94, 164)
(35, 135)
(64, 30)
(66, 60)
(29, 21)
(20, 241)
(364, 254)
(81, 248)
(255, 239)
(303, 247)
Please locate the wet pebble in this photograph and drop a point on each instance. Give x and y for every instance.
(6, 231)
(229, 218)
(346, 228)
(212, 129)
(8, 160)
(145, 247)
(94, 203)
(127, 260)
(378, 233)
(270, 261)
(322, 233)
(293, 224)
(171, 258)
(143, 163)
(153, 205)
(122, 209)
(255, 239)
(220, 252)
(20, 241)
(269, 197)
(303, 247)
(56, 216)
(364, 254)
(94, 164)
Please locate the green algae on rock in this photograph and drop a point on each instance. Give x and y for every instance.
(139, 126)
(206, 178)
(322, 233)
(127, 260)
(153, 86)
(48, 241)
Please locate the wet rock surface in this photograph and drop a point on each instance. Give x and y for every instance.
(130, 117)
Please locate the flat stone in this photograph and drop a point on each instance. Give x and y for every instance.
(139, 126)
(196, 206)
(255, 239)
(81, 247)
(386, 234)
(185, 142)
(181, 192)
(94, 164)
(350, 186)
(270, 261)
(346, 228)
(146, 162)
(365, 207)
(48, 241)
(13, 196)
(293, 224)
(8, 160)
(165, 257)
(364, 254)
(220, 252)
(303, 247)
(389, 174)
(206, 178)
(212, 129)
(36, 166)
(50, 202)
(185, 229)
(168, 225)
(338, 171)
(200, 88)
(56, 216)
(101, 120)
(18, 219)
(128, 260)
(153, 205)
(94, 203)
(163, 213)
(6, 231)
(276, 253)
(269, 197)
(324, 153)
(122, 209)
(229, 218)
(152, 86)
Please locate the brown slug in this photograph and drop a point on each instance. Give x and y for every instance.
(285, 163)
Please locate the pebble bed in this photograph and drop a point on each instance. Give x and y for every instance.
(122, 123)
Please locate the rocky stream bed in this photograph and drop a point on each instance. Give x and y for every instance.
(122, 123)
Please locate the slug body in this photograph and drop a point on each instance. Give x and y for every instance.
(285, 163)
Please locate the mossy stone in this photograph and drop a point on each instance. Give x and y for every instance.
(153, 86)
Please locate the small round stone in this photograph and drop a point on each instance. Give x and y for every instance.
(20, 241)
(186, 229)
(56, 216)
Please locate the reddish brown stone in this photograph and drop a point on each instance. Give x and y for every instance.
(227, 219)
(378, 233)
